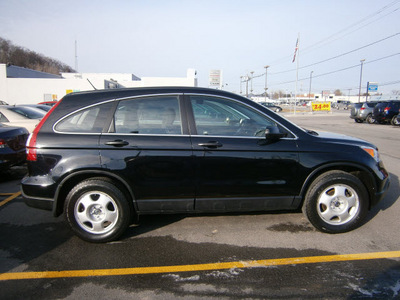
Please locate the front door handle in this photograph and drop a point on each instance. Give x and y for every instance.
(117, 143)
(211, 145)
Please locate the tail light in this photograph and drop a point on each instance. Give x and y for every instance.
(2, 143)
(31, 153)
(386, 109)
(362, 108)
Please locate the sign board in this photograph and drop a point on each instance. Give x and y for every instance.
(215, 78)
(326, 93)
(321, 106)
(372, 86)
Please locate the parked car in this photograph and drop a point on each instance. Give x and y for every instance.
(355, 108)
(12, 146)
(361, 112)
(341, 104)
(387, 112)
(22, 116)
(44, 107)
(272, 106)
(103, 157)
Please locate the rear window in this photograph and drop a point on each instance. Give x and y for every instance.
(90, 120)
(372, 104)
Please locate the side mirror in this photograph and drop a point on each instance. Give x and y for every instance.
(273, 133)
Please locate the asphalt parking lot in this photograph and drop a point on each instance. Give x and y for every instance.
(246, 256)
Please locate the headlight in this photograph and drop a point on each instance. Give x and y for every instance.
(372, 151)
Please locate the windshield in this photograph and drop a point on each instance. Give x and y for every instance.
(28, 112)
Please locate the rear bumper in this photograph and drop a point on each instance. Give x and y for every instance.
(45, 204)
(38, 192)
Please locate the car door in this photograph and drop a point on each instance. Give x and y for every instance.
(149, 147)
(237, 168)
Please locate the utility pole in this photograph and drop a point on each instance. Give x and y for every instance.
(76, 56)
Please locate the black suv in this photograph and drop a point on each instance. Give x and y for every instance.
(103, 158)
(387, 112)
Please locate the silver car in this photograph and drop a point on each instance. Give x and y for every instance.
(363, 113)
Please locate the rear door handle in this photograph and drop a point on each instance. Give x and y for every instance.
(211, 145)
(117, 143)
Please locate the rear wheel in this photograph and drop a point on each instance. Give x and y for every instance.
(97, 210)
(336, 202)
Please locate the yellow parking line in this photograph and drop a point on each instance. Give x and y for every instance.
(15, 195)
(200, 267)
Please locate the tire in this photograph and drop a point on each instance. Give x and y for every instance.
(394, 121)
(370, 119)
(336, 202)
(97, 210)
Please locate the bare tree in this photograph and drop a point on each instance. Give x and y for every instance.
(21, 57)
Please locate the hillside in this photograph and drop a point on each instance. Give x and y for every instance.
(22, 57)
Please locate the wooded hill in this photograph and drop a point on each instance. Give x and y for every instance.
(22, 57)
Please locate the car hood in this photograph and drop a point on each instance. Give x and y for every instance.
(341, 138)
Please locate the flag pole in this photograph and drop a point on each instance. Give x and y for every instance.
(297, 71)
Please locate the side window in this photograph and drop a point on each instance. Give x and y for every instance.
(150, 115)
(90, 120)
(222, 117)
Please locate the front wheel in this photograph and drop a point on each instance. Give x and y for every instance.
(336, 202)
(395, 121)
(97, 210)
(370, 119)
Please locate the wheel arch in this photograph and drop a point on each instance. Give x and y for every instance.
(73, 179)
(359, 171)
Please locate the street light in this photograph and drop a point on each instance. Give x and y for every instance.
(359, 89)
(266, 70)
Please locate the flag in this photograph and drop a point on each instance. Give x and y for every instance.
(295, 50)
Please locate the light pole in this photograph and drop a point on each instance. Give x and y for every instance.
(359, 89)
(241, 79)
(309, 91)
(266, 88)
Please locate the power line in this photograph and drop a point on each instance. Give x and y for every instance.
(340, 70)
(340, 55)
(330, 39)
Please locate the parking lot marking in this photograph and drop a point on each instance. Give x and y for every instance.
(13, 196)
(200, 267)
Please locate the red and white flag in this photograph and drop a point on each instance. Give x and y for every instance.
(295, 50)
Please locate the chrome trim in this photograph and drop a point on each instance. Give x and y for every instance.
(172, 94)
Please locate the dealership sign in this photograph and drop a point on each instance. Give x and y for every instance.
(215, 78)
(372, 86)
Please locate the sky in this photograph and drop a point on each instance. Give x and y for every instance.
(164, 38)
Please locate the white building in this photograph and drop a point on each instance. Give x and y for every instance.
(24, 86)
